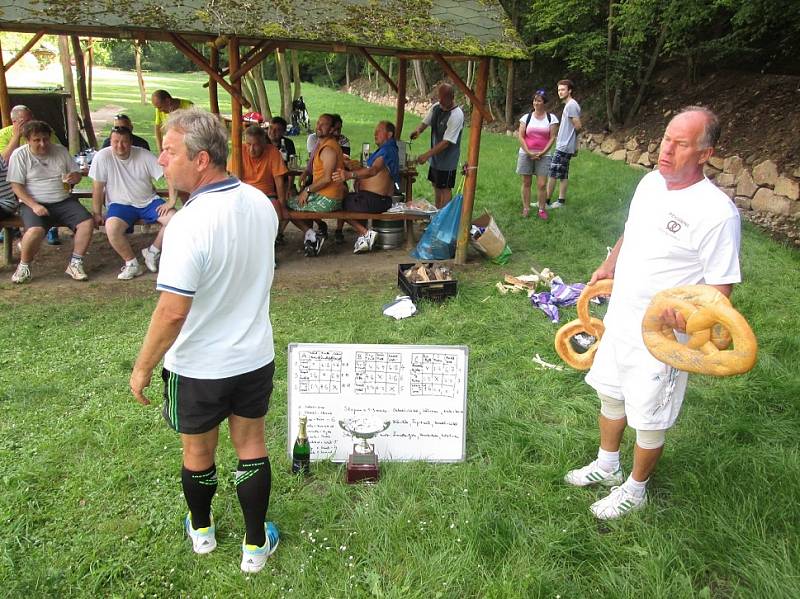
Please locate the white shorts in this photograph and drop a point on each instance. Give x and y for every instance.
(652, 391)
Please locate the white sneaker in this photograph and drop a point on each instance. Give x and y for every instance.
(151, 259)
(22, 274)
(618, 503)
(362, 245)
(594, 475)
(203, 539)
(130, 271)
(253, 556)
(371, 236)
(556, 204)
(75, 270)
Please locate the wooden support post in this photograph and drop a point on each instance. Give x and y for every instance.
(5, 110)
(402, 71)
(213, 96)
(236, 109)
(378, 68)
(473, 150)
(24, 50)
(476, 105)
(264, 49)
(83, 96)
(198, 59)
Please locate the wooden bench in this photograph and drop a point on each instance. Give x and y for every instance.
(409, 219)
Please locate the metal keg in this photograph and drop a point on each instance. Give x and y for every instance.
(391, 233)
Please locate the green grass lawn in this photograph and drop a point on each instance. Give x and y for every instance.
(92, 504)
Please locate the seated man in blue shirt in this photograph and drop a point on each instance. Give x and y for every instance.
(375, 183)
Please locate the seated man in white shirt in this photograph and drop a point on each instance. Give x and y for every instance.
(42, 175)
(123, 176)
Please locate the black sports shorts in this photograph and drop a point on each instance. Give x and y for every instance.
(194, 406)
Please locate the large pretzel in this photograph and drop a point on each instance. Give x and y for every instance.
(585, 323)
(711, 323)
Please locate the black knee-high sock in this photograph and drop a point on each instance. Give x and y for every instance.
(253, 482)
(199, 489)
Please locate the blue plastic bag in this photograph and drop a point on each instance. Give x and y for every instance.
(438, 242)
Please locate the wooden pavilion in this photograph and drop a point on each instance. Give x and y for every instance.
(440, 30)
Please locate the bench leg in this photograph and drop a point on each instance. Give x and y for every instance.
(8, 245)
(409, 235)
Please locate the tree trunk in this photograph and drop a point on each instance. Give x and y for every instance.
(510, 96)
(470, 73)
(298, 91)
(73, 133)
(347, 70)
(419, 78)
(90, 67)
(249, 90)
(611, 94)
(261, 91)
(389, 72)
(328, 70)
(645, 82)
(80, 70)
(284, 83)
(137, 50)
(494, 83)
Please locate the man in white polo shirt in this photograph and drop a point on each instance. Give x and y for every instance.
(212, 322)
(123, 178)
(681, 230)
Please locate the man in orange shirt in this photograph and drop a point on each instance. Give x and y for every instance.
(264, 169)
(324, 194)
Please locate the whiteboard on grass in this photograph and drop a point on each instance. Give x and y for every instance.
(421, 389)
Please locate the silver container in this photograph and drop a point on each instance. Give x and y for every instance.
(391, 233)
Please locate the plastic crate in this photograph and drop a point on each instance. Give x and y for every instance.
(436, 291)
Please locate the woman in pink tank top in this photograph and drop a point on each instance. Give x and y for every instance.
(537, 133)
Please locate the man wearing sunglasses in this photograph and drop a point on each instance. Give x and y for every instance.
(123, 120)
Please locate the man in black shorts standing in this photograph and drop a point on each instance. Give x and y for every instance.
(446, 121)
(42, 174)
(212, 322)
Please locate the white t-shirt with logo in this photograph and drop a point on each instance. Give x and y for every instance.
(42, 175)
(672, 238)
(219, 250)
(130, 181)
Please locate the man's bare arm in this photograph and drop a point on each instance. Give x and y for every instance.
(165, 325)
(609, 265)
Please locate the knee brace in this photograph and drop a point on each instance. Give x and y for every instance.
(650, 439)
(613, 409)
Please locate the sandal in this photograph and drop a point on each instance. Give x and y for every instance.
(525, 212)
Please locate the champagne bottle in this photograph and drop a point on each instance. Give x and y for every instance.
(301, 452)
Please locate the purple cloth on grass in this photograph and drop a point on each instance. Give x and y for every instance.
(560, 294)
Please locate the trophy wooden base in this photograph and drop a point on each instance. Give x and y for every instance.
(362, 467)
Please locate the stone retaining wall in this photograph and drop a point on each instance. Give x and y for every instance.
(762, 187)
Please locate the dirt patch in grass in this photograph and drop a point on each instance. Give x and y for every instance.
(335, 268)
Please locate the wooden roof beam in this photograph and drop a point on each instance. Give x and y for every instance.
(264, 48)
(24, 50)
(476, 103)
(198, 59)
(378, 68)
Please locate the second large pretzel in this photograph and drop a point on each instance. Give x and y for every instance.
(584, 323)
(711, 323)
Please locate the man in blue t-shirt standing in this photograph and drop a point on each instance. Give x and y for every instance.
(566, 144)
(446, 121)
